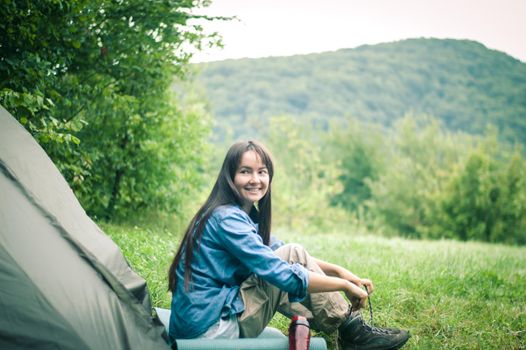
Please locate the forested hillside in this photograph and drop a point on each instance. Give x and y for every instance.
(462, 83)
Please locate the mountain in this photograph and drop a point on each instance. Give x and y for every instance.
(460, 82)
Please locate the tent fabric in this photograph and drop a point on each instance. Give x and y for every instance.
(18, 317)
(63, 283)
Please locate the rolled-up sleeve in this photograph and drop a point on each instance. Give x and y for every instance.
(239, 237)
(275, 243)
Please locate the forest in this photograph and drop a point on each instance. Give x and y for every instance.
(462, 83)
(421, 138)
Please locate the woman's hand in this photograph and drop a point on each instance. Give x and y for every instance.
(356, 295)
(319, 283)
(360, 282)
(366, 283)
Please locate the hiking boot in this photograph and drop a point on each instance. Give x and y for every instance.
(390, 330)
(355, 334)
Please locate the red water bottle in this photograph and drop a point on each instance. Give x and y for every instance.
(299, 333)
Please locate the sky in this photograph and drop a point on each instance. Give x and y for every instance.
(288, 27)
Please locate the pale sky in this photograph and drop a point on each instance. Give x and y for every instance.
(288, 27)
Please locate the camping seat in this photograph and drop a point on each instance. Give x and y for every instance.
(270, 338)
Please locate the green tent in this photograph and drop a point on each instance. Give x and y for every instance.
(64, 284)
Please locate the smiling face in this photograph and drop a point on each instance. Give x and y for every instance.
(251, 179)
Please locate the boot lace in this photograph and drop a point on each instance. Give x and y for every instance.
(370, 327)
(374, 329)
(370, 306)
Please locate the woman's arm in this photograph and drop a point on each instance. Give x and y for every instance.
(319, 283)
(343, 273)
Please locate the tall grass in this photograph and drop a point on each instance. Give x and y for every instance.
(450, 295)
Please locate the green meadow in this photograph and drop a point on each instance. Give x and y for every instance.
(449, 294)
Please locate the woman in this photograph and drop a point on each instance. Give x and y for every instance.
(229, 276)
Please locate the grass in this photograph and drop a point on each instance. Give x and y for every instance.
(450, 295)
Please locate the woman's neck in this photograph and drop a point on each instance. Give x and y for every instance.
(247, 207)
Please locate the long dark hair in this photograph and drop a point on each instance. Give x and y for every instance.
(224, 192)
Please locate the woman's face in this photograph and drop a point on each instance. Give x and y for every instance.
(252, 179)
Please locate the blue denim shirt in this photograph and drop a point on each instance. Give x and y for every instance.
(230, 251)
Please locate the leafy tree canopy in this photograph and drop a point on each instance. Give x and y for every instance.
(90, 81)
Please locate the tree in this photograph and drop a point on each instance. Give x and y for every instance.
(357, 148)
(418, 159)
(484, 199)
(305, 178)
(511, 224)
(90, 80)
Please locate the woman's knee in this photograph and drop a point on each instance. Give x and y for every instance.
(293, 252)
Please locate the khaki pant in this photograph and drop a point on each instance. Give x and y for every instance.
(325, 311)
